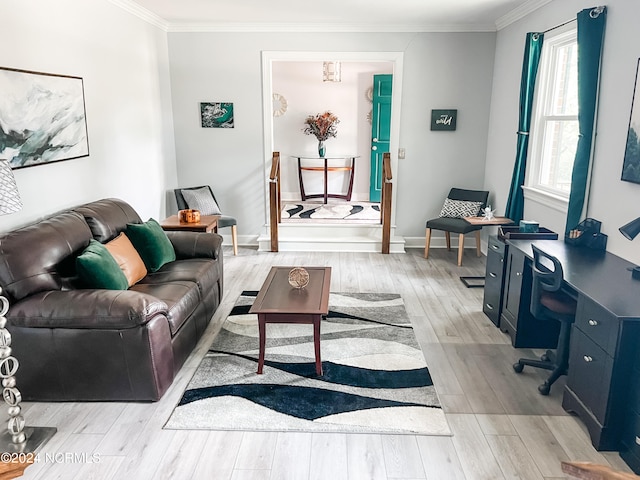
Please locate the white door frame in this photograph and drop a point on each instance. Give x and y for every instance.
(268, 57)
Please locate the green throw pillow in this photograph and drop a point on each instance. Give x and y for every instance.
(152, 244)
(97, 268)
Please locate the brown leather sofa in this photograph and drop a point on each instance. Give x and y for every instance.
(76, 344)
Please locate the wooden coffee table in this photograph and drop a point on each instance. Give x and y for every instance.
(279, 302)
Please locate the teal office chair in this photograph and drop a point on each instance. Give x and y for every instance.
(549, 302)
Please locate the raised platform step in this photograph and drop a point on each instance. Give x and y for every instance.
(322, 237)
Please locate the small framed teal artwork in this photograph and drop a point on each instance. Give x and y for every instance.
(443, 119)
(216, 114)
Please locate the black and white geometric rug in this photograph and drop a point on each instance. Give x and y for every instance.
(374, 374)
(333, 212)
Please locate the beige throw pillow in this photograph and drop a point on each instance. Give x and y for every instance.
(127, 258)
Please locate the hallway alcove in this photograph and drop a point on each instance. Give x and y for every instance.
(295, 80)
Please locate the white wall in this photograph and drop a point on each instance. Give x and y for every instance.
(612, 201)
(301, 84)
(441, 70)
(124, 63)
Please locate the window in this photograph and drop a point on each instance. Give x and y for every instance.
(554, 127)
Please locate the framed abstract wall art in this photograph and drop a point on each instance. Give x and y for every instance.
(42, 118)
(631, 164)
(216, 115)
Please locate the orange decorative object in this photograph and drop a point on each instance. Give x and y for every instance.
(189, 216)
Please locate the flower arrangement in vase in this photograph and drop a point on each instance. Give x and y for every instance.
(322, 126)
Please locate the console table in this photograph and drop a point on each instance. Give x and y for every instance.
(325, 169)
(600, 386)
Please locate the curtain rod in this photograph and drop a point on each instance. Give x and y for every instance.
(561, 25)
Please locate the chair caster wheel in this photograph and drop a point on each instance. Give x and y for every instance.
(518, 367)
(544, 389)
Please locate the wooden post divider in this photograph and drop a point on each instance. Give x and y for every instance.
(386, 202)
(275, 202)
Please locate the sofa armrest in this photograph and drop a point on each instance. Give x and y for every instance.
(91, 309)
(196, 244)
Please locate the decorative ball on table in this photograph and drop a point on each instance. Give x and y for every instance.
(298, 277)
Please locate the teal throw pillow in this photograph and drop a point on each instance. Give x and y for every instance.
(97, 268)
(152, 244)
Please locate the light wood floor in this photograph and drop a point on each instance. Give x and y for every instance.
(502, 428)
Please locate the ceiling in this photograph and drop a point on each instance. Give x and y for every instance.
(332, 15)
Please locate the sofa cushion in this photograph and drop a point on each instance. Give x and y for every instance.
(203, 272)
(41, 257)
(182, 298)
(108, 217)
(98, 269)
(127, 258)
(152, 244)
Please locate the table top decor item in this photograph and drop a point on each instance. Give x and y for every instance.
(298, 277)
(189, 216)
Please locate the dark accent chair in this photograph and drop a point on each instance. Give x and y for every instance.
(457, 225)
(224, 221)
(549, 302)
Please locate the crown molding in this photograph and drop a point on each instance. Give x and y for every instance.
(142, 13)
(153, 19)
(520, 12)
(332, 28)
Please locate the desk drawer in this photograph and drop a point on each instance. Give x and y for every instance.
(496, 245)
(631, 435)
(590, 372)
(598, 324)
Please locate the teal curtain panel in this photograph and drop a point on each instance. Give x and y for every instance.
(591, 25)
(532, 50)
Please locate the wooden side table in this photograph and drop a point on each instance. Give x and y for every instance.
(477, 281)
(207, 223)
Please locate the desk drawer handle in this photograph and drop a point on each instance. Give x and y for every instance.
(588, 358)
(593, 323)
(495, 247)
(492, 275)
(518, 274)
(489, 306)
(637, 440)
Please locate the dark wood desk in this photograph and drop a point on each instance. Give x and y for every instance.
(279, 302)
(325, 169)
(207, 223)
(605, 339)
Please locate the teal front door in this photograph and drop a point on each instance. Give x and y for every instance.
(380, 131)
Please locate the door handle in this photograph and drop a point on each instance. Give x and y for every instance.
(588, 358)
(492, 275)
(374, 148)
(375, 140)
